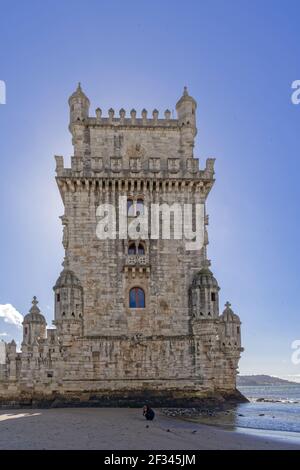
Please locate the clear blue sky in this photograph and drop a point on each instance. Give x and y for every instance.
(238, 59)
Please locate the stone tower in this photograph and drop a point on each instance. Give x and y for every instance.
(135, 316)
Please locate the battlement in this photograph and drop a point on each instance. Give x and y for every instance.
(133, 120)
(116, 168)
(80, 104)
(136, 140)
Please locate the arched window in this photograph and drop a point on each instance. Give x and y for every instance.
(139, 207)
(130, 208)
(141, 249)
(131, 249)
(136, 298)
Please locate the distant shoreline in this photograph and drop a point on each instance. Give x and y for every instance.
(262, 380)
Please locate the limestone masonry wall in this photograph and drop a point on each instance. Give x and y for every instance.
(134, 319)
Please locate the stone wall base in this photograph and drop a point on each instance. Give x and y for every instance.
(186, 399)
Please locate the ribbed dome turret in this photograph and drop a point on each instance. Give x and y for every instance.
(205, 278)
(79, 107)
(34, 314)
(78, 94)
(186, 98)
(68, 304)
(67, 278)
(228, 315)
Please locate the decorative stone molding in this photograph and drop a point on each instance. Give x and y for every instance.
(116, 164)
(135, 164)
(97, 164)
(77, 164)
(154, 164)
(173, 165)
(192, 165)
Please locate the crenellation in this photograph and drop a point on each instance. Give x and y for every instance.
(144, 117)
(98, 115)
(133, 122)
(185, 170)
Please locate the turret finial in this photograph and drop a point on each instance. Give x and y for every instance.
(228, 304)
(185, 91)
(34, 308)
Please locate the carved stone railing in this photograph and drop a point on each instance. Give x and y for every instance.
(137, 260)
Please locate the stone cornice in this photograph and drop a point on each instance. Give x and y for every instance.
(124, 185)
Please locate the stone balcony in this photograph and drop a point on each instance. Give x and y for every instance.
(137, 260)
(135, 264)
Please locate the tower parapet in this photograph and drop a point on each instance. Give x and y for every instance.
(126, 146)
(99, 140)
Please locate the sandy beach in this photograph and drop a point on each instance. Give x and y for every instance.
(123, 429)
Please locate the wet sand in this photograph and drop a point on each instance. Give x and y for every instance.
(123, 429)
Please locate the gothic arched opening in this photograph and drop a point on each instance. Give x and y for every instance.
(136, 298)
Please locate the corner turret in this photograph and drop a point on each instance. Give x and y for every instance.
(186, 113)
(34, 324)
(186, 109)
(204, 295)
(68, 303)
(230, 328)
(79, 105)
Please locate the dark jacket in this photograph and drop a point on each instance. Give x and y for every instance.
(149, 414)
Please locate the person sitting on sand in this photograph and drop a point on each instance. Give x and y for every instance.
(148, 413)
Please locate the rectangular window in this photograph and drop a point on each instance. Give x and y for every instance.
(213, 296)
(58, 297)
